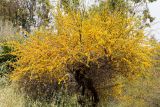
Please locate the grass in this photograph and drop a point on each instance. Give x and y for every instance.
(11, 97)
(142, 93)
(8, 96)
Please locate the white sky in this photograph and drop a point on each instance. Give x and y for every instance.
(155, 12)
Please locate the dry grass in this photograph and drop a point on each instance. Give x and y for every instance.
(141, 93)
(8, 31)
(6, 28)
(8, 96)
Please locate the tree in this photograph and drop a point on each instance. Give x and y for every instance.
(132, 7)
(23, 12)
(98, 49)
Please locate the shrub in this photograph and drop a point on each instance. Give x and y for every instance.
(108, 44)
(5, 58)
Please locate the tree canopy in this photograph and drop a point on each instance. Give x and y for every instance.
(25, 13)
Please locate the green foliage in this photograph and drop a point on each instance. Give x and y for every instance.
(129, 8)
(5, 58)
(23, 12)
(70, 5)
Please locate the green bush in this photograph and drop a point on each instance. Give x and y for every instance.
(5, 58)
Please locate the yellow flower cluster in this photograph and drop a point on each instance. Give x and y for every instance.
(93, 36)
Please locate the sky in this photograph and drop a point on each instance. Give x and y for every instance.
(155, 12)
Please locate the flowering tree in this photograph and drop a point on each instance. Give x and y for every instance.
(95, 47)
